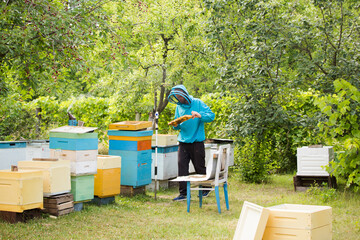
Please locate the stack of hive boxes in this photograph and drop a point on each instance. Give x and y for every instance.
(107, 179)
(56, 181)
(21, 191)
(79, 145)
(167, 156)
(132, 142)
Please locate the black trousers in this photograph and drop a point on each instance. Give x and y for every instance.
(194, 152)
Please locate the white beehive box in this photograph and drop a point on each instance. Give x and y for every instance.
(167, 165)
(299, 222)
(37, 149)
(312, 161)
(56, 174)
(83, 168)
(74, 156)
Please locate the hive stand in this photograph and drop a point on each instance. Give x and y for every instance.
(302, 183)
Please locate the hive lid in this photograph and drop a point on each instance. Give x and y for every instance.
(298, 208)
(130, 125)
(20, 173)
(74, 129)
(252, 222)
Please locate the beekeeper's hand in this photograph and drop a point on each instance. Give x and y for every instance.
(195, 114)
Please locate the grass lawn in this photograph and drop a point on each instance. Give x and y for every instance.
(142, 217)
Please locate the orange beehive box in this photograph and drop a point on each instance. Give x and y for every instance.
(21, 190)
(107, 182)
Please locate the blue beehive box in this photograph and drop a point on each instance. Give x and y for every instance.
(74, 138)
(166, 149)
(135, 167)
(130, 133)
(74, 144)
(136, 173)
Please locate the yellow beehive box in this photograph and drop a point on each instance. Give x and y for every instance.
(107, 182)
(56, 174)
(321, 233)
(299, 221)
(108, 161)
(21, 190)
(164, 140)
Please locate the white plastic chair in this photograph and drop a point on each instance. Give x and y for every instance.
(216, 174)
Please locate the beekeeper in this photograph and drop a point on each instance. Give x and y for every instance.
(192, 134)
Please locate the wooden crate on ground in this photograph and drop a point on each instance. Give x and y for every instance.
(131, 191)
(302, 183)
(59, 205)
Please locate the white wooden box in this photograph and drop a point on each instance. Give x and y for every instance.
(74, 156)
(300, 222)
(311, 161)
(56, 175)
(164, 140)
(11, 153)
(37, 149)
(83, 168)
(108, 162)
(167, 165)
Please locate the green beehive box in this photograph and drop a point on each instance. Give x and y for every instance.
(82, 187)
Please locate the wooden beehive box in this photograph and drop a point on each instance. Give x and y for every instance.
(108, 177)
(130, 125)
(299, 222)
(164, 140)
(312, 160)
(130, 145)
(74, 138)
(21, 190)
(74, 156)
(56, 174)
(108, 161)
(107, 182)
(82, 187)
(167, 159)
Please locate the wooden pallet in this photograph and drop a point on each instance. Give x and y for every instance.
(103, 201)
(14, 217)
(59, 204)
(302, 183)
(131, 191)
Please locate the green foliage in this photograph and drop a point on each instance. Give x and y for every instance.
(342, 129)
(46, 46)
(323, 192)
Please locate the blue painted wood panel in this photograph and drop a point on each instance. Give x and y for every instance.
(74, 144)
(166, 149)
(130, 133)
(15, 144)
